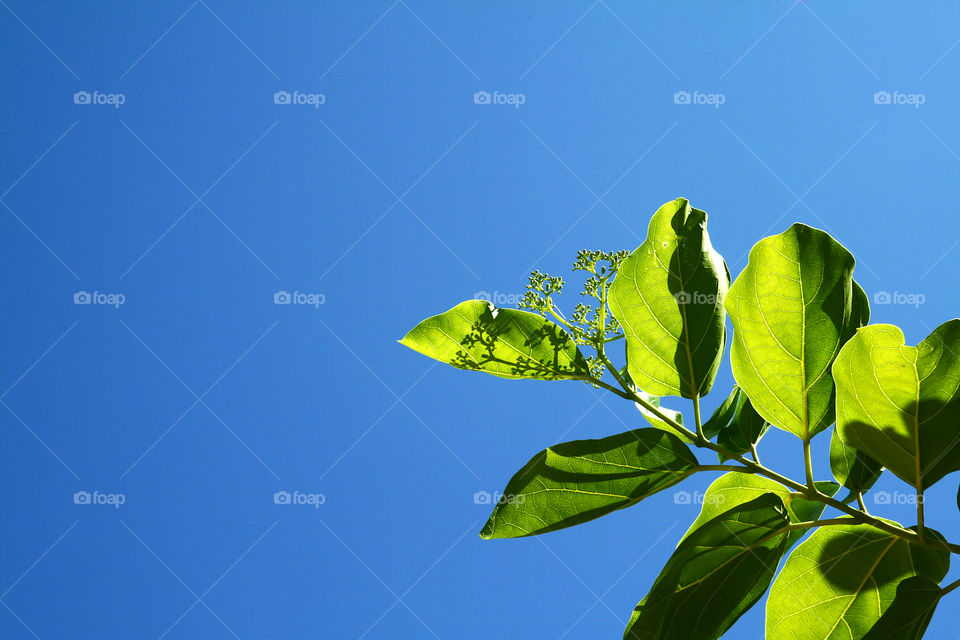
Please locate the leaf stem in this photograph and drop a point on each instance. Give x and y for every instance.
(551, 309)
(819, 523)
(753, 452)
(950, 587)
(808, 462)
(696, 418)
(860, 503)
(920, 527)
(721, 467)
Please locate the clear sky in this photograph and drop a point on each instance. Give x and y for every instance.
(149, 159)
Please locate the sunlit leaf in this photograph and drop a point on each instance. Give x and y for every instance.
(577, 481)
(793, 307)
(668, 296)
(715, 575)
(734, 489)
(505, 342)
(900, 404)
(852, 468)
(840, 581)
(909, 615)
(655, 420)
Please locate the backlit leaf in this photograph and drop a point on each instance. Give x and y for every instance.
(655, 420)
(505, 342)
(909, 615)
(900, 404)
(736, 424)
(734, 489)
(715, 575)
(668, 296)
(852, 468)
(577, 481)
(841, 580)
(793, 307)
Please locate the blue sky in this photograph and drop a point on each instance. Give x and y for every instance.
(145, 160)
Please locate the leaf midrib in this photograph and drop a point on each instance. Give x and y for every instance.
(868, 576)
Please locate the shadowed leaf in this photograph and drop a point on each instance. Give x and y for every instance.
(734, 489)
(852, 468)
(668, 297)
(899, 404)
(716, 574)
(508, 343)
(577, 481)
(841, 580)
(736, 424)
(909, 615)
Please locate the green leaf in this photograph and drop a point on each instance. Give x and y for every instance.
(734, 489)
(839, 582)
(909, 615)
(736, 424)
(655, 420)
(668, 296)
(852, 468)
(793, 307)
(899, 404)
(724, 415)
(505, 342)
(716, 574)
(577, 481)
